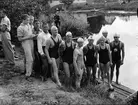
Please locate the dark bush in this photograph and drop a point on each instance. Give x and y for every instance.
(69, 23)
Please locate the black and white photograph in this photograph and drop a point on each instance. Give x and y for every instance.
(68, 52)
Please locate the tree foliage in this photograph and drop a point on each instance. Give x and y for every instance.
(15, 9)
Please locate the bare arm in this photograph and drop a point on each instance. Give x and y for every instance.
(109, 52)
(47, 48)
(60, 39)
(97, 54)
(8, 25)
(75, 56)
(39, 45)
(123, 52)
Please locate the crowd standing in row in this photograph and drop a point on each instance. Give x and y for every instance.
(44, 48)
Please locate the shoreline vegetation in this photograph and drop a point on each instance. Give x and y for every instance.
(100, 6)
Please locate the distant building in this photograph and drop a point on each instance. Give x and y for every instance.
(79, 1)
(57, 2)
(89, 1)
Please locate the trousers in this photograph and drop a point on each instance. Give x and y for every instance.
(28, 48)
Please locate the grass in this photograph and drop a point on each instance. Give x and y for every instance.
(15, 90)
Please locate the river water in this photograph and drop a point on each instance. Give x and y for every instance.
(127, 27)
(128, 30)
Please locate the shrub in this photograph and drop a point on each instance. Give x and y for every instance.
(69, 23)
(15, 8)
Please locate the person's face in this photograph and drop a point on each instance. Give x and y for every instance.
(105, 35)
(102, 42)
(54, 31)
(37, 25)
(116, 38)
(80, 44)
(45, 27)
(31, 20)
(69, 38)
(26, 21)
(1, 14)
(90, 41)
(3, 27)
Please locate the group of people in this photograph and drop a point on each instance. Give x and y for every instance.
(44, 49)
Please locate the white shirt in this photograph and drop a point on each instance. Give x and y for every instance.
(41, 41)
(24, 30)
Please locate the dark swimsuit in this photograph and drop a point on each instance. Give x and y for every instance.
(116, 56)
(53, 52)
(68, 54)
(90, 58)
(103, 55)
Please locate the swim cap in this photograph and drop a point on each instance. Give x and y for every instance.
(116, 35)
(102, 38)
(68, 34)
(80, 39)
(104, 32)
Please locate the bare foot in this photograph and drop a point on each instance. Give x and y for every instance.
(118, 83)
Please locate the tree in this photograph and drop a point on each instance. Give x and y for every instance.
(15, 9)
(67, 3)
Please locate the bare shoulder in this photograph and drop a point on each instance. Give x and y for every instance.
(59, 36)
(76, 50)
(122, 45)
(19, 28)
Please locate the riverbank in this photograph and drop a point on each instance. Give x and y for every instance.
(114, 5)
(15, 90)
(102, 6)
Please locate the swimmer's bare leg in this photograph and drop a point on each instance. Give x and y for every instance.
(102, 71)
(55, 71)
(67, 72)
(79, 78)
(107, 67)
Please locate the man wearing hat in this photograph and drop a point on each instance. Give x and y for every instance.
(78, 62)
(67, 58)
(6, 38)
(90, 54)
(117, 47)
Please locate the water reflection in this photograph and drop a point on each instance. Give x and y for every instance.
(127, 27)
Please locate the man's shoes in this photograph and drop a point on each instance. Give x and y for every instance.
(28, 78)
(23, 73)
